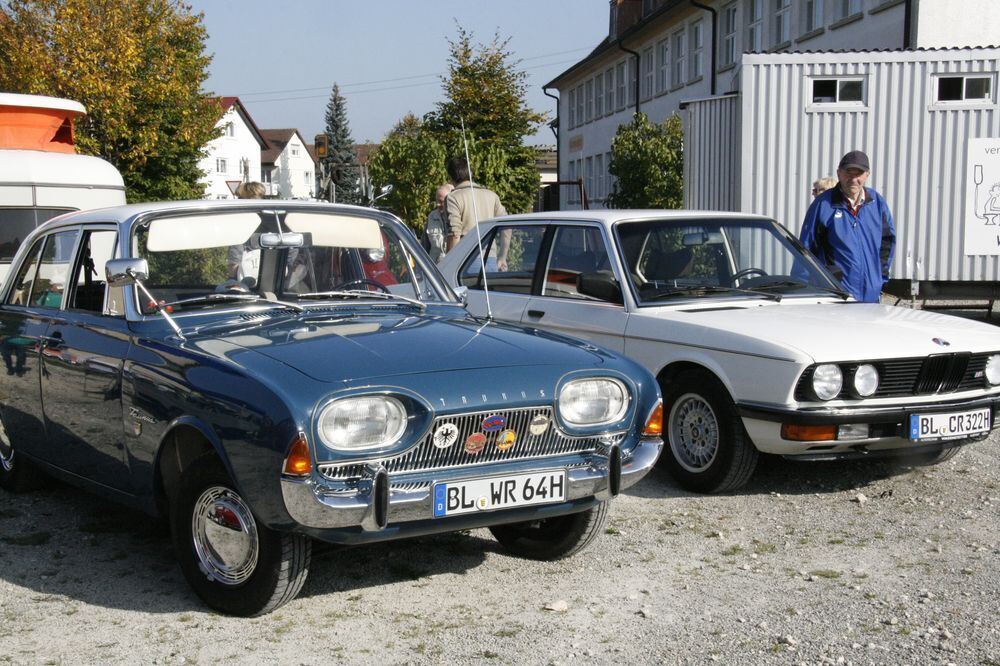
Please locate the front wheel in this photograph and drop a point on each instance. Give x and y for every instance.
(709, 451)
(17, 475)
(234, 564)
(552, 538)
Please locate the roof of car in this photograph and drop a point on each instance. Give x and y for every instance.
(123, 213)
(610, 216)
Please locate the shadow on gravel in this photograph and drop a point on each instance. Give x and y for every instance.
(67, 546)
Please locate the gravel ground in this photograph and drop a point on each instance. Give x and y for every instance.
(861, 563)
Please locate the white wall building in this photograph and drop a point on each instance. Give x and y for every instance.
(660, 53)
(288, 170)
(233, 157)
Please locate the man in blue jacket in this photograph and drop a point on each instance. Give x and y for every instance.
(849, 228)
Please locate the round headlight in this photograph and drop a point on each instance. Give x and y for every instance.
(827, 381)
(993, 369)
(865, 380)
(592, 401)
(362, 422)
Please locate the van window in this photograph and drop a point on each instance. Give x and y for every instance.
(15, 225)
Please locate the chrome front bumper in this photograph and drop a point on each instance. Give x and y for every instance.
(321, 506)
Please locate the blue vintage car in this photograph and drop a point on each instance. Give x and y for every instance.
(267, 373)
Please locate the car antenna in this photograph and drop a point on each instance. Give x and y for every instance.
(475, 215)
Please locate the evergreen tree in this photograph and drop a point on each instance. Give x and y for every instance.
(341, 161)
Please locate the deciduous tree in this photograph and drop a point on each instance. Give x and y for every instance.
(137, 65)
(647, 161)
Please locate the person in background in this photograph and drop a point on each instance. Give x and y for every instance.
(469, 201)
(251, 190)
(238, 254)
(436, 227)
(850, 229)
(821, 185)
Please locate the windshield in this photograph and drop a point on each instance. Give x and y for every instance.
(672, 259)
(288, 257)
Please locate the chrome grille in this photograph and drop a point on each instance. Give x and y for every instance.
(426, 457)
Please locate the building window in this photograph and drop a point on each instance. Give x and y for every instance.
(571, 108)
(727, 55)
(609, 91)
(696, 42)
(230, 129)
(573, 190)
(837, 91)
(849, 8)
(308, 178)
(599, 192)
(295, 151)
(782, 22)
(599, 95)
(964, 88)
(588, 179)
(632, 71)
(813, 15)
(755, 25)
(589, 100)
(221, 165)
(579, 105)
(620, 83)
(680, 57)
(663, 65)
(647, 73)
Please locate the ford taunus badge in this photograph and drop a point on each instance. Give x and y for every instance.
(539, 425)
(494, 423)
(474, 443)
(506, 439)
(940, 342)
(445, 435)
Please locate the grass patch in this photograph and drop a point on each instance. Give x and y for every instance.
(835, 542)
(735, 549)
(762, 547)
(826, 573)
(612, 531)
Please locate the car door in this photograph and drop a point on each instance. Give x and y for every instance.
(22, 327)
(558, 305)
(85, 346)
(511, 252)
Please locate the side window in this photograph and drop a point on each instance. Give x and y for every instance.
(575, 251)
(25, 278)
(53, 270)
(511, 254)
(97, 249)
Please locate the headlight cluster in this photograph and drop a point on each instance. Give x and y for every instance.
(592, 401)
(362, 422)
(993, 369)
(828, 380)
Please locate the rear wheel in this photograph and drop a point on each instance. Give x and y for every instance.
(553, 538)
(17, 474)
(709, 451)
(235, 564)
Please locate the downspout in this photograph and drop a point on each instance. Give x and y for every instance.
(907, 18)
(638, 73)
(555, 131)
(715, 36)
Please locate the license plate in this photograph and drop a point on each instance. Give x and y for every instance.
(499, 492)
(953, 425)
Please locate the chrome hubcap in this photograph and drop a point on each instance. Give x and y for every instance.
(225, 536)
(6, 450)
(694, 433)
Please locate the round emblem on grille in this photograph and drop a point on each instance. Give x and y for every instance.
(539, 425)
(506, 439)
(474, 443)
(445, 435)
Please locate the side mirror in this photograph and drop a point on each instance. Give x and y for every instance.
(122, 272)
(601, 285)
(463, 294)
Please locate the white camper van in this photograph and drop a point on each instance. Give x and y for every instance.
(41, 175)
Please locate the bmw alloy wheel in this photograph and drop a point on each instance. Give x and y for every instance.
(225, 536)
(694, 432)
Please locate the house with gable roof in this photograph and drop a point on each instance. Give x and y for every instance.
(233, 157)
(288, 168)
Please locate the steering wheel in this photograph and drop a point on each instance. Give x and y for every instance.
(364, 283)
(746, 272)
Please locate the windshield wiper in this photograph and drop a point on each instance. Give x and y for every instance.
(361, 293)
(710, 288)
(802, 285)
(216, 298)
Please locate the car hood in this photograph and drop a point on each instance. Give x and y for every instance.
(367, 346)
(829, 331)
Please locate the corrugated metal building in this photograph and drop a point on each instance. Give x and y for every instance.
(916, 113)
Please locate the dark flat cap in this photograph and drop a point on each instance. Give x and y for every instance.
(856, 159)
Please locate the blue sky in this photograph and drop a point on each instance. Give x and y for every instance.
(282, 58)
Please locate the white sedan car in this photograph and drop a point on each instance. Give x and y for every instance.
(755, 346)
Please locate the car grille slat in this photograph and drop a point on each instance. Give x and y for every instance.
(426, 457)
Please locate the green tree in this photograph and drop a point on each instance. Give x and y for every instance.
(647, 161)
(341, 161)
(137, 65)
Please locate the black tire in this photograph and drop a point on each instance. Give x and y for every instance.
(553, 538)
(17, 474)
(708, 450)
(928, 458)
(249, 575)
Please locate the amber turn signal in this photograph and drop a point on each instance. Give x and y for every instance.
(298, 462)
(654, 424)
(808, 433)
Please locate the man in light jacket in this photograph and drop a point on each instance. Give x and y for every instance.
(463, 213)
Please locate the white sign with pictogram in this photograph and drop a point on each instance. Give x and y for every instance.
(982, 197)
